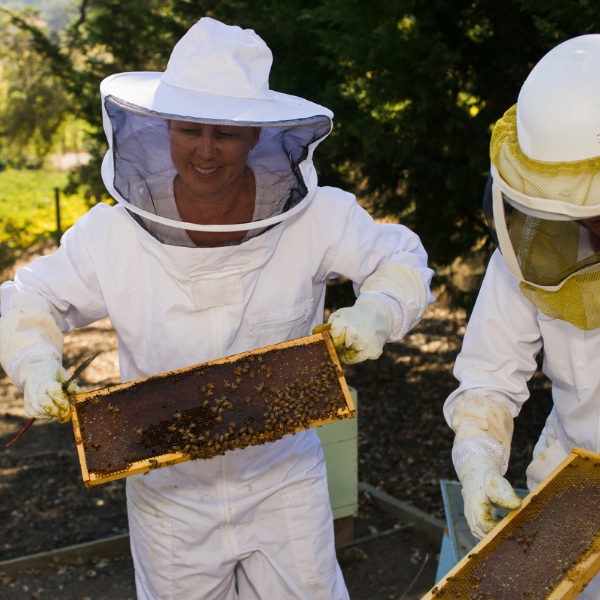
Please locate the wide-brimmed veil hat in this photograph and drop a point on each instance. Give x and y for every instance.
(217, 75)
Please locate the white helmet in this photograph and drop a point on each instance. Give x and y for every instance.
(558, 119)
(544, 205)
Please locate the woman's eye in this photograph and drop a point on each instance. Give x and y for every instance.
(184, 131)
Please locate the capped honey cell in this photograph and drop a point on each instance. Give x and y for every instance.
(155, 419)
(544, 551)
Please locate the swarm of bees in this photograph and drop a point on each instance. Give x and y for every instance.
(526, 541)
(266, 415)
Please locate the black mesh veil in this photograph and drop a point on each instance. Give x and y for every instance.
(209, 172)
(488, 210)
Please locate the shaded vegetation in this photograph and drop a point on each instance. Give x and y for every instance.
(27, 206)
(415, 86)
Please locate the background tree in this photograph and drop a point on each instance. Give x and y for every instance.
(33, 104)
(415, 85)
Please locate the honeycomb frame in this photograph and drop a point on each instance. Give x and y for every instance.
(104, 398)
(578, 471)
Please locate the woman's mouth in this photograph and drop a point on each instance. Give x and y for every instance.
(205, 172)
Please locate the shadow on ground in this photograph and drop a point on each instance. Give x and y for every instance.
(404, 449)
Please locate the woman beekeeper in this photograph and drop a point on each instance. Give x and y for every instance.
(221, 243)
(542, 288)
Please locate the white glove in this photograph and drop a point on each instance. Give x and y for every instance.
(41, 377)
(391, 301)
(484, 489)
(361, 331)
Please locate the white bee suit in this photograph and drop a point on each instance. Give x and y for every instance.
(221, 243)
(505, 333)
(267, 507)
(542, 288)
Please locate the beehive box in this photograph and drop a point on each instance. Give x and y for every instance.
(549, 549)
(203, 411)
(340, 448)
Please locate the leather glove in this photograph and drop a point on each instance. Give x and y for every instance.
(41, 378)
(484, 489)
(361, 331)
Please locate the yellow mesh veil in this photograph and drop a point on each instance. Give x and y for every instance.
(549, 252)
(576, 302)
(576, 182)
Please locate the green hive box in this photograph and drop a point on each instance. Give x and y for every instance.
(339, 441)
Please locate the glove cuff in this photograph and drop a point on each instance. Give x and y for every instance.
(399, 311)
(482, 417)
(14, 366)
(404, 282)
(479, 446)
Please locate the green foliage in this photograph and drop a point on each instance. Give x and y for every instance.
(70, 136)
(426, 81)
(56, 13)
(32, 102)
(27, 206)
(415, 85)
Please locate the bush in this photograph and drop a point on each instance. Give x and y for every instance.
(28, 209)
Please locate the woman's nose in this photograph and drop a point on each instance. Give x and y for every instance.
(206, 148)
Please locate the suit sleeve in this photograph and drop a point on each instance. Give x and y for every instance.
(63, 283)
(380, 257)
(499, 347)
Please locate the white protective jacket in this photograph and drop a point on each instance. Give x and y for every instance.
(265, 508)
(504, 335)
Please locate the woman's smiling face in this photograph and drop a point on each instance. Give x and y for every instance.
(210, 158)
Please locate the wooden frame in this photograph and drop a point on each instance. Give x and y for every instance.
(144, 466)
(575, 580)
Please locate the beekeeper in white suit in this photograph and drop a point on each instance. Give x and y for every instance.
(541, 288)
(221, 242)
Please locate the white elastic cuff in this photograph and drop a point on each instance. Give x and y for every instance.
(399, 310)
(14, 365)
(478, 445)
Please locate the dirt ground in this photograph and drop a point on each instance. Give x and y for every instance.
(45, 506)
(404, 440)
(381, 569)
(404, 449)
